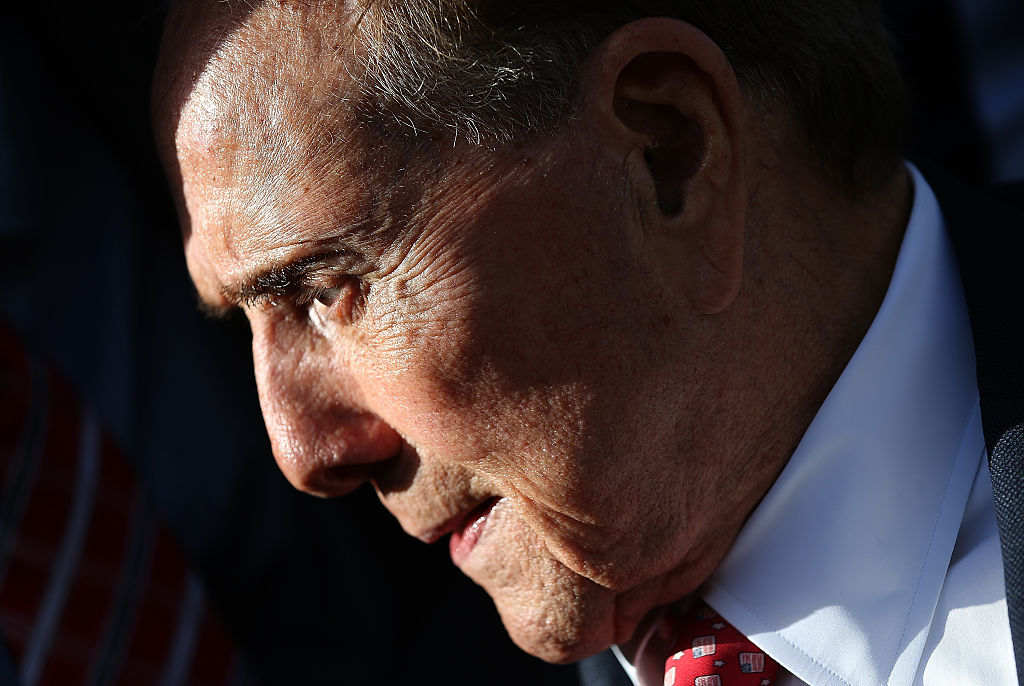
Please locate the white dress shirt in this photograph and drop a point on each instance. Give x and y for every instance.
(874, 558)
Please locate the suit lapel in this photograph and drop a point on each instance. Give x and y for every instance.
(989, 241)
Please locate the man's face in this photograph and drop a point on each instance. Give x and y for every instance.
(483, 338)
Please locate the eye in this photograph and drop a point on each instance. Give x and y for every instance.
(327, 296)
(342, 303)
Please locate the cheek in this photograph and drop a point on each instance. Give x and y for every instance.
(423, 377)
(548, 610)
(447, 391)
(500, 376)
(449, 399)
(440, 351)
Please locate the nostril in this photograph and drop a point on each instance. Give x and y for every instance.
(338, 480)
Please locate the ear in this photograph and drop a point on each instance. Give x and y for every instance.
(666, 100)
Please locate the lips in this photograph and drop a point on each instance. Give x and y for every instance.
(468, 531)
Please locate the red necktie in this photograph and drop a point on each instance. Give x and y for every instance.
(711, 652)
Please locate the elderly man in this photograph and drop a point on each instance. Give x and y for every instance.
(635, 300)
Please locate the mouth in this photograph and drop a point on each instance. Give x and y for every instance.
(468, 530)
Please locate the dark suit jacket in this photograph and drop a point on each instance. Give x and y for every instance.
(989, 240)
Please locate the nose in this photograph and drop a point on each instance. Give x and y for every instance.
(325, 441)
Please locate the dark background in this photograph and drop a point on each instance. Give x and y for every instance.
(92, 274)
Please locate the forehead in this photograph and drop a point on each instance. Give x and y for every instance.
(273, 81)
(260, 134)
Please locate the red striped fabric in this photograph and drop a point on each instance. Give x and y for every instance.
(92, 589)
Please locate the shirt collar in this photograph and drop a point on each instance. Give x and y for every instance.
(838, 571)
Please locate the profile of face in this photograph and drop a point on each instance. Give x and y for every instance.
(520, 347)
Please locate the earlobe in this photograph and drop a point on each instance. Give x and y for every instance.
(675, 111)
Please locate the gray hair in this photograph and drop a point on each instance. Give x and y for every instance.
(496, 71)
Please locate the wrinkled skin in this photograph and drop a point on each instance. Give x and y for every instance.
(483, 326)
(480, 360)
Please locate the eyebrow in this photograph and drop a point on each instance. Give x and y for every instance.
(282, 280)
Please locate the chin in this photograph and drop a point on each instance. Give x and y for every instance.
(563, 617)
(555, 647)
(549, 610)
(561, 627)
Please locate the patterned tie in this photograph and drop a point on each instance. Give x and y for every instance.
(711, 652)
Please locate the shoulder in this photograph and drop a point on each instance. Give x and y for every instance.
(988, 237)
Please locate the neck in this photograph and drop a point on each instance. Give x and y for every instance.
(823, 264)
